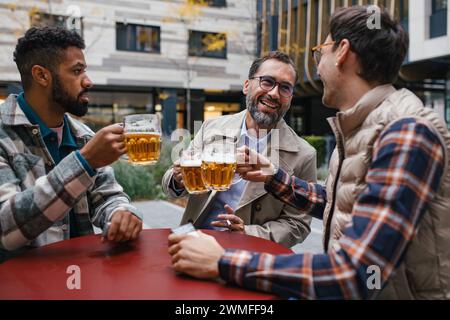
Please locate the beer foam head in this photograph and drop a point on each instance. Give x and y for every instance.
(191, 162)
(145, 133)
(219, 158)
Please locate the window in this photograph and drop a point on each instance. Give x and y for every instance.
(217, 109)
(438, 5)
(211, 3)
(207, 44)
(438, 18)
(40, 19)
(133, 37)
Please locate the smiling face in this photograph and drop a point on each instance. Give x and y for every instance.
(268, 107)
(71, 83)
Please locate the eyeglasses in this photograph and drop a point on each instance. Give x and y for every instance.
(317, 52)
(267, 83)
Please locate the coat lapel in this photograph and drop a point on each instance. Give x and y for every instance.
(281, 141)
(255, 190)
(231, 128)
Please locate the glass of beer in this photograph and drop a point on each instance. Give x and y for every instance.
(191, 163)
(142, 138)
(219, 165)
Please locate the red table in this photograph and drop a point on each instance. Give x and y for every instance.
(137, 270)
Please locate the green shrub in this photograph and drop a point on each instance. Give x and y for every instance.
(144, 182)
(322, 173)
(318, 143)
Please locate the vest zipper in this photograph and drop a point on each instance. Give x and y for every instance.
(330, 215)
(341, 152)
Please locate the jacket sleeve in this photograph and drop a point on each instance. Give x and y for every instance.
(106, 196)
(25, 214)
(168, 187)
(292, 226)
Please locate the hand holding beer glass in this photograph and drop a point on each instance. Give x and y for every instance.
(218, 164)
(254, 166)
(142, 138)
(190, 163)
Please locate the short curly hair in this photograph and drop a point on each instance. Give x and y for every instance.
(43, 46)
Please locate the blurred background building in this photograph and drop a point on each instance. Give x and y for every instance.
(188, 59)
(184, 59)
(296, 26)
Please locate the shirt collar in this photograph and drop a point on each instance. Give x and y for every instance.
(67, 139)
(32, 116)
(354, 117)
(244, 133)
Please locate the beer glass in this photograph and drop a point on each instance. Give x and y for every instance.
(142, 138)
(191, 163)
(218, 164)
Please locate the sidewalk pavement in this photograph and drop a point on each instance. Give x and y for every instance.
(163, 214)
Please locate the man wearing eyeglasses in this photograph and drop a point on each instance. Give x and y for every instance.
(246, 207)
(386, 202)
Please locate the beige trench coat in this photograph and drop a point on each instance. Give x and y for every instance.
(264, 216)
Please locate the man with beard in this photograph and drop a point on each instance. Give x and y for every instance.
(386, 202)
(246, 207)
(55, 182)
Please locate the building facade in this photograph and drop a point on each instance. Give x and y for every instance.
(296, 26)
(184, 59)
(427, 71)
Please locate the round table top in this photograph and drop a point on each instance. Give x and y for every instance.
(136, 270)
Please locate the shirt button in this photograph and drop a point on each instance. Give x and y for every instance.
(49, 163)
(35, 131)
(64, 227)
(258, 207)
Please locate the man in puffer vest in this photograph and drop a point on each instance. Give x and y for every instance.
(386, 203)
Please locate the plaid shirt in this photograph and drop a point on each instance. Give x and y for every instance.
(36, 194)
(403, 178)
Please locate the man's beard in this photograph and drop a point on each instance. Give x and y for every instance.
(63, 98)
(261, 118)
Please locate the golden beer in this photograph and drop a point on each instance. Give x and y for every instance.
(192, 177)
(218, 176)
(143, 148)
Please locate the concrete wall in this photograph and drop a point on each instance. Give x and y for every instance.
(107, 66)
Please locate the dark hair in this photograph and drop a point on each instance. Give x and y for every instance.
(277, 55)
(43, 46)
(381, 51)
